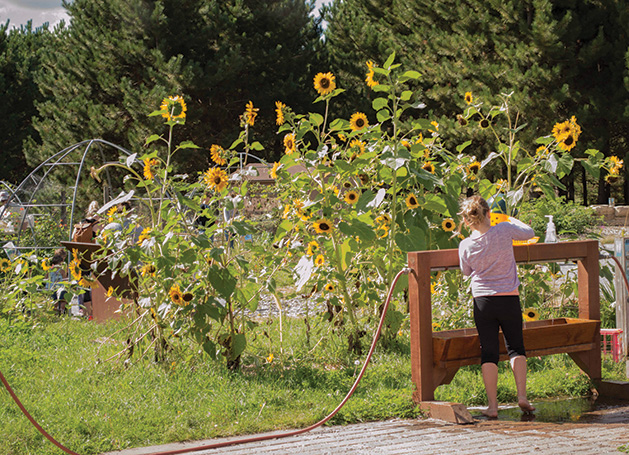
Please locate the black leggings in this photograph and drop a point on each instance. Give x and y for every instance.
(492, 313)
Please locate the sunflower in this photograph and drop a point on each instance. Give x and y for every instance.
(110, 291)
(364, 178)
(111, 212)
(44, 265)
(384, 219)
(484, 124)
(319, 261)
(144, 235)
(324, 83)
(274, 169)
(75, 269)
(329, 287)
(462, 120)
(448, 225)
(175, 295)
(351, 197)
(358, 143)
(567, 143)
(358, 121)
(279, 113)
(468, 97)
(313, 247)
(218, 154)
(149, 164)
(342, 137)
(5, 265)
(371, 83)
(322, 226)
(530, 314)
(149, 269)
(270, 358)
(429, 167)
(289, 143)
(215, 178)
(474, 167)
(188, 296)
(616, 164)
(411, 201)
(382, 231)
(250, 113)
(435, 125)
(173, 108)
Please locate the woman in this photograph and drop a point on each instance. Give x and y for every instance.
(487, 256)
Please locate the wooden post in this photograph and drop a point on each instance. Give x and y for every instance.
(421, 326)
(589, 307)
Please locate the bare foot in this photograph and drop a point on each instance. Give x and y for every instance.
(490, 412)
(525, 405)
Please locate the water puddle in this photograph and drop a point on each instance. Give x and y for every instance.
(575, 410)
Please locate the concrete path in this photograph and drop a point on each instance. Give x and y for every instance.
(597, 432)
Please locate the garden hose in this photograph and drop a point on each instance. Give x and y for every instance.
(405, 270)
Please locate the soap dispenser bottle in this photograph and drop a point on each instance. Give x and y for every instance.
(551, 233)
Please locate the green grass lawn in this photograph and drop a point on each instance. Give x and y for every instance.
(57, 369)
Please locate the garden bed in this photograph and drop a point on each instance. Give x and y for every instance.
(455, 348)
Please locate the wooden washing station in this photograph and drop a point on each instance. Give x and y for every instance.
(437, 356)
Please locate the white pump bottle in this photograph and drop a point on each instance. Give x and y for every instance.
(551, 233)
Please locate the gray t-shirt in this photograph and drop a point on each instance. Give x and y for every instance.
(488, 258)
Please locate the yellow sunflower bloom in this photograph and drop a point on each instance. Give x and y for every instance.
(250, 114)
(289, 143)
(144, 235)
(110, 291)
(371, 82)
(322, 226)
(436, 326)
(358, 143)
(5, 265)
(148, 270)
(75, 269)
(616, 164)
(313, 247)
(270, 358)
(358, 121)
(218, 154)
(530, 314)
(384, 219)
(279, 106)
(448, 225)
(468, 97)
(411, 201)
(149, 164)
(429, 167)
(329, 287)
(44, 265)
(110, 213)
(435, 125)
(319, 261)
(175, 295)
(351, 197)
(324, 83)
(215, 178)
(173, 108)
(382, 231)
(274, 169)
(474, 167)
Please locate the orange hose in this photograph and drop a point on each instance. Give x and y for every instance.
(254, 438)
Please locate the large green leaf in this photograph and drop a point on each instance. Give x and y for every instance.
(222, 280)
(413, 240)
(364, 231)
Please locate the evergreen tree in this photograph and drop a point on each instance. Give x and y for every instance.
(120, 58)
(19, 61)
(559, 58)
